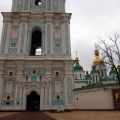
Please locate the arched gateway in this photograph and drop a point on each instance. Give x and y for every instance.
(33, 101)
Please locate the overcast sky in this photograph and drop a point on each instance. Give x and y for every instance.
(90, 18)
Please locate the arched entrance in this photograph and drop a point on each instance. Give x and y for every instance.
(36, 41)
(33, 101)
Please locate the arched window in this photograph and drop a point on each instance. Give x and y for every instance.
(40, 78)
(36, 42)
(80, 75)
(26, 78)
(8, 97)
(57, 73)
(58, 97)
(37, 2)
(10, 73)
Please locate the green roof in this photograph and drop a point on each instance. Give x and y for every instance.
(88, 77)
(78, 67)
(96, 86)
(94, 71)
(112, 71)
(106, 78)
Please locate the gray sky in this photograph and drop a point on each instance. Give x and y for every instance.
(90, 18)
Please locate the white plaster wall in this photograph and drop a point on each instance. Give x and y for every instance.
(80, 84)
(93, 99)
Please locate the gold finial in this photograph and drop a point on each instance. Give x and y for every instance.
(87, 71)
(77, 59)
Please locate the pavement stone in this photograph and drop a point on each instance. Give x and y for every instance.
(86, 115)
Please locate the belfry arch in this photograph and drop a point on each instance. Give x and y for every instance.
(36, 42)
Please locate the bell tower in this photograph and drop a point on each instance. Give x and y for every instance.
(37, 27)
(35, 56)
(39, 6)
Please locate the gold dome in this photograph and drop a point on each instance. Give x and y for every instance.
(97, 60)
(77, 59)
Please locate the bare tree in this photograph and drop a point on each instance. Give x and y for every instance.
(110, 51)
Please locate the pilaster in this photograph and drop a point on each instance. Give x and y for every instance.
(63, 37)
(3, 29)
(19, 39)
(1, 87)
(8, 36)
(25, 38)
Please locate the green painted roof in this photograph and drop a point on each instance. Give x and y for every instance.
(112, 71)
(94, 71)
(78, 67)
(106, 78)
(96, 86)
(88, 77)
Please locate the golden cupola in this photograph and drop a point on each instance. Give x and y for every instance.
(97, 60)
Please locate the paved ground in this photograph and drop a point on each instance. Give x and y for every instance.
(28, 116)
(86, 115)
(74, 115)
(7, 113)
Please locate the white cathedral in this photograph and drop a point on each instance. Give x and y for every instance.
(36, 68)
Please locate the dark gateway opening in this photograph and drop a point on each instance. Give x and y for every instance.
(33, 101)
(36, 42)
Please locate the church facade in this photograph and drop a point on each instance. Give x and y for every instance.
(36, 68)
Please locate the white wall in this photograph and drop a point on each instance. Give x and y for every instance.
(94, 98)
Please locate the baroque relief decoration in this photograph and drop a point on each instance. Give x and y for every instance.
(57, 69)
(37, 9)
(69, 70)
(29, 71)
(69, 91)
(32, 88)
(33, 24)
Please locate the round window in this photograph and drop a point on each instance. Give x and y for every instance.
(38, 2)
(34, 72)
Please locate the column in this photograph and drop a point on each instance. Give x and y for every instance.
(50, 95)
(42, 98)
(16, 90)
